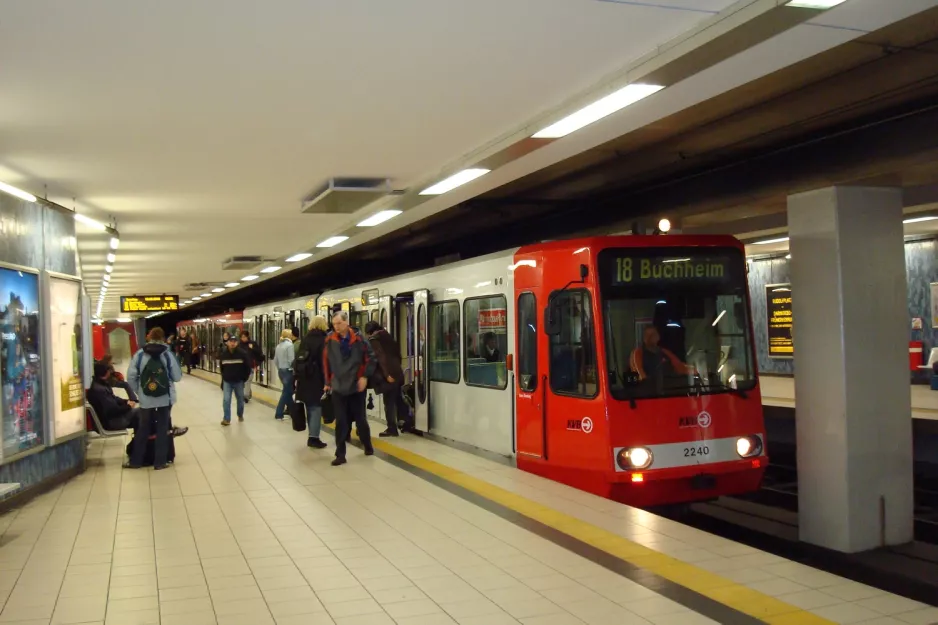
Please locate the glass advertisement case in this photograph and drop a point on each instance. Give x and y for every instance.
(21, 400)
(63, 331)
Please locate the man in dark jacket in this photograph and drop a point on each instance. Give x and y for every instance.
(184, 350)
(235, 364)
(115, 413)
(348, 362)
(255, 359)
(388, 375)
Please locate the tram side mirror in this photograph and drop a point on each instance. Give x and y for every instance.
(553, 318)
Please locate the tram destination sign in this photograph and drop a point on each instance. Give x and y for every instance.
(778, 317)
(149, 303)
(643, 269)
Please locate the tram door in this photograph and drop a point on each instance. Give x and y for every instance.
(421, 377)
(384, 314)
(531, 393)
(275, 324)
(260, 338)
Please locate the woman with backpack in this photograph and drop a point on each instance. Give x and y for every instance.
(309, 377)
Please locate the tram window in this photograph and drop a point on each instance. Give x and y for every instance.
(486, 332)
(573, 350)
(527, 342)
(680, 325)
(444, 342)
(384, 319)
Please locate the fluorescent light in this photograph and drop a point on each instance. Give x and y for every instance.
(124, 320)
(91, 223)
(379, 218)
(298, 257)
(206, 295)
(768, 241)
(270, 269)
(456, 180)
(717, 320)
(815, 4)
(217, 290)
(332, 241)
(109, 268)
(107, 277)
(29, 197)
(232, 285)
(597, 110)
(196, 298)
(115, 243)
(915, 220)
(111, 258)
(249, 278)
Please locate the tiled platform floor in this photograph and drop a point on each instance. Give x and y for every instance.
(251, 527)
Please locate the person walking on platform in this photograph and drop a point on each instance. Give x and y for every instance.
(255, 359)
(152, 375)
(283, 360)
(235, 364)
(348, 362)
(184, 350)
(310, 381)
(388, 375)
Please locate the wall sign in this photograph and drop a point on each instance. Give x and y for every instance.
(934, 304)
(68, 393)
(149, 303)
(779, 320)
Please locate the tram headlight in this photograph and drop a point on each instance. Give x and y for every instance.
(635, 458)
(748, 446)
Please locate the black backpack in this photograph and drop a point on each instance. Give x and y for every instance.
(154, 378)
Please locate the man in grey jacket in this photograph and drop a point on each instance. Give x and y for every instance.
(348, 362)
(152, 375)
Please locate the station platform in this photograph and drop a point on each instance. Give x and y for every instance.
(251, 527)
(779, 392)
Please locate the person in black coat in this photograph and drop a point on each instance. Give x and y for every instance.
(389, 375)
(309, 378)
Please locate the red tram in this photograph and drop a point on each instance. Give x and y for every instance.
(664, 407)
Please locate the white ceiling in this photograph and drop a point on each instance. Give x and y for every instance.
(199, 126)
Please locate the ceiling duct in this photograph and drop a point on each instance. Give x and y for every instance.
(201, 286)
(344, 196)
(242, 262)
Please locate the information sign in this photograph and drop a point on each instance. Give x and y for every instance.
(779, 320)
(149, 303)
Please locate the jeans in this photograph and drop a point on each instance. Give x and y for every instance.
(286, 395)
(350, 409)
(238, 389)
(389, 398)
(314, 420)
(152, 417)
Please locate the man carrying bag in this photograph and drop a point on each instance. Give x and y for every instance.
(388, 375)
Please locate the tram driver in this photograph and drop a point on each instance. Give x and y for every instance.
(653, 363)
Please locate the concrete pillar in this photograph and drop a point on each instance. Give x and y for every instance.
(854, 425)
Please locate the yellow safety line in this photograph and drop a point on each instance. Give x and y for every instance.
(731, 594)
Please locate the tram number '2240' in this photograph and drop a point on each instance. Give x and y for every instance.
(690, 452)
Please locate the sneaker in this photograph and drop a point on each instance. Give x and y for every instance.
(315, 443)
(387, 433)
(180, 431)
(335, 463)
(240, 417)
(223, 422)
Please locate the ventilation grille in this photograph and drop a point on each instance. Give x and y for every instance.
(201, 286)
(242, 262)
(343, 196)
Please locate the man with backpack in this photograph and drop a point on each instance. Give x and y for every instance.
(152, 375)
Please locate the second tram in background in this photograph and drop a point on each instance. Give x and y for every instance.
(623, 366)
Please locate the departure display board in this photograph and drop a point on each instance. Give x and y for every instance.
(778, 317)
(149, 303)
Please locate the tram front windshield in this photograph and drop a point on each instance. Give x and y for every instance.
(676, 321)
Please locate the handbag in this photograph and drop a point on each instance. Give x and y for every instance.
(298, 416)
(328, 412)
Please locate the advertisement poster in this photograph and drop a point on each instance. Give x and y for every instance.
(493, 320)
(20, 370)
(934, 304)
(67, 388)
(779, 319)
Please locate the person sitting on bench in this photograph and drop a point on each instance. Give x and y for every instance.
(116, 413)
